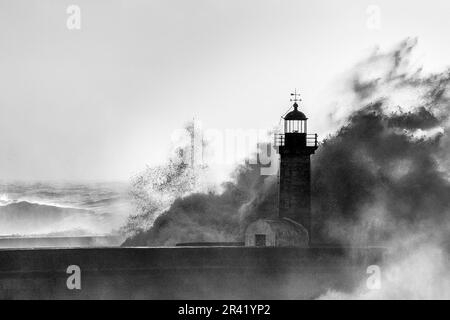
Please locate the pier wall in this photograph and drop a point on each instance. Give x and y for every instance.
(182, 272)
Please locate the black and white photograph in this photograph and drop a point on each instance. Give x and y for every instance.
(224, 154)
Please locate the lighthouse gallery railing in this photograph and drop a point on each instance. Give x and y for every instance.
(311, 140)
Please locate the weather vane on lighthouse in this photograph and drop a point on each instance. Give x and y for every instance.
(296, 96)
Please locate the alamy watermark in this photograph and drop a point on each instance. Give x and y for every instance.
(227, 147)
(73, 21)
(74, 279)
(373, 21)
(373, 282)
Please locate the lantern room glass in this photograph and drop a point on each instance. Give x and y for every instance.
(295, 126)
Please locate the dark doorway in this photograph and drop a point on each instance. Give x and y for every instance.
(260, 240)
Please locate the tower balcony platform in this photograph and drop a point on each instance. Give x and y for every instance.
(309, 139)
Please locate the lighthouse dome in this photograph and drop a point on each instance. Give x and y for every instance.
(295, 114)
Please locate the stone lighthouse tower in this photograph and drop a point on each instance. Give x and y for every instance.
(295, 147)
(292, 228)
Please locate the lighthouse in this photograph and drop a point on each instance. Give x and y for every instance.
(295, 146)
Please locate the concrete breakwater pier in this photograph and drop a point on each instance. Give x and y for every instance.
(182, 272)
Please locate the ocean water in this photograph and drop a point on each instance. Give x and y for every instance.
(63, 209)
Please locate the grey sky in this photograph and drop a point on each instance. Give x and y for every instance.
(101, 102)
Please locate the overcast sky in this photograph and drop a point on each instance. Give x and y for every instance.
(101, 102)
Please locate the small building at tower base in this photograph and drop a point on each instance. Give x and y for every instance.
(282, 232)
